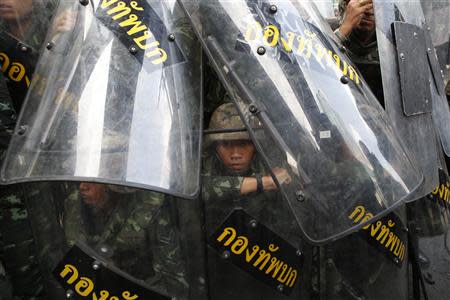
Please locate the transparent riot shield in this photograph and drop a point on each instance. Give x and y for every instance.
(326, 8)
(100, 241)
(369, 264)
(437, 14)
(23, 25)
(319, 120)
(430, 217)
(116, 99)
(411, 96)
(254, 249)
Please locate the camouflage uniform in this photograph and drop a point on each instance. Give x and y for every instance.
(139, 232)
(365, 56)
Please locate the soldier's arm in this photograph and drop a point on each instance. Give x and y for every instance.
(353, 15)
(164, 242)
(222, 187)
(232, 187)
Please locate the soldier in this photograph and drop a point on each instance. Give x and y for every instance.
(133, 229)
(357, 33)
(235, 178)
(231, 166)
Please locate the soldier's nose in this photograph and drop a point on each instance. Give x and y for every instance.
(236, 155)
(84, 186)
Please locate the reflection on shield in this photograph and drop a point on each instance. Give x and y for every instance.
(116, 99)
(279, 62)
(96, 240)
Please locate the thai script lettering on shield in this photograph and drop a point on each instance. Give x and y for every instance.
(386, 234)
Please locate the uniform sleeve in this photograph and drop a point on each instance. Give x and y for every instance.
(221, 188)
(164, 241)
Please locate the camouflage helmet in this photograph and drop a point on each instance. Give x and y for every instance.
(226, 116)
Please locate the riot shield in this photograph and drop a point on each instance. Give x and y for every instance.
(318, 118)
(116, 99)
(326, 8)
(23, 25)
(100, 241)
(411, 96)
(430, 219)
(369, 264)
(437, 14)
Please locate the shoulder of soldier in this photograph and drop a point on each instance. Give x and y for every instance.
(147, 207)
(72, 197)
(71, 202)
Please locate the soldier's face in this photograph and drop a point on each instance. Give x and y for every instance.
(93, 193)
(367, 23)
(237, 155)
(14, 10)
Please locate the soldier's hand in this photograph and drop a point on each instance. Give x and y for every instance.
(356, 11)
(282, 176)
(65, 22)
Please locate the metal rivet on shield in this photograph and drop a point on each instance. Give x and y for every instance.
(415, 35)
(23, 48)
(96, 265)
(402, 56)
(298, 253)
(69, 294)
(252, 108)
(50, 45)
(133, 49)
(300, 196)
(22, 129)
(273, 8)
(344, 79)
(253, 224)
(84, 2)
(396, 260)
(261, 50)
(343, 49)
(226, 254)
(280, 288)
(171, 37)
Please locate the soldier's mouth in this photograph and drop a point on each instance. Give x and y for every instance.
(237, 167)
(5, 8)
